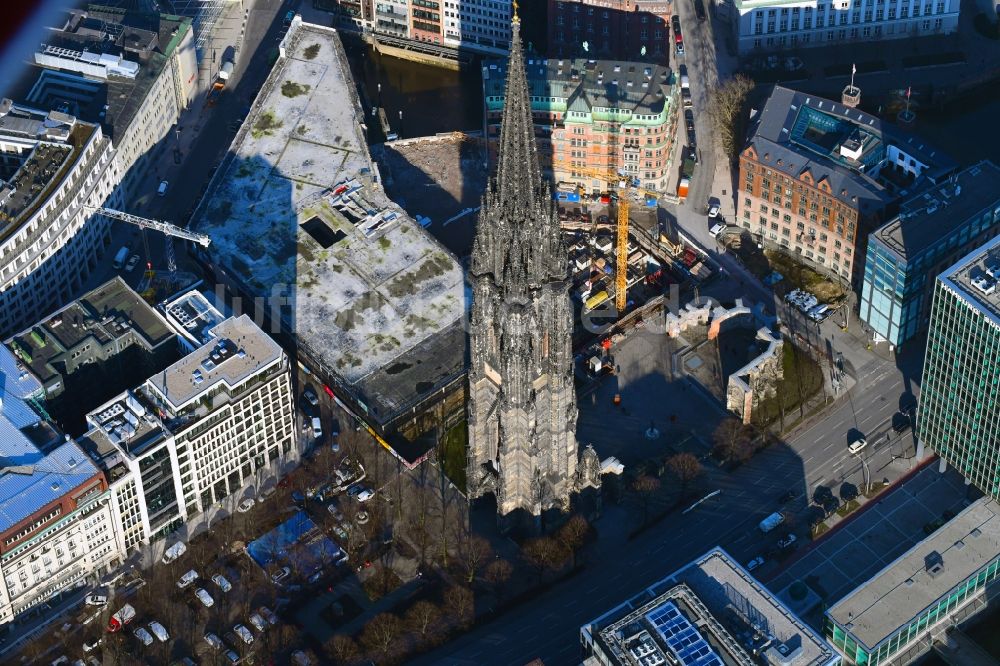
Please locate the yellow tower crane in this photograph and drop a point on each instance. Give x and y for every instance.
(622, 186)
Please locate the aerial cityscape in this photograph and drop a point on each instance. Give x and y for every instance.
(514, 333)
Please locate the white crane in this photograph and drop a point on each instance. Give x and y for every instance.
(146, 223)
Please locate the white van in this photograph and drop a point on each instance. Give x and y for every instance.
(187, 579)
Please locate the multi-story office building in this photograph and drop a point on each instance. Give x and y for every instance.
(816, 176)
(195, 433)
(133, 73)
(57, 529)
(959, 413)
(636, 30)
(596, 117)
(711, 612)
(479, 25)
(92, 329)
(766, 25)
(931, 231)
(51, 165)
(905, 608)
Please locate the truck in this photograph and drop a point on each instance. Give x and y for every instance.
(174, 552)
(226, 71)
(684, 184)
(120, 257)
(121, 618)
(771, 522)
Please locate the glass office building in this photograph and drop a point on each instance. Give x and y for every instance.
(959, 413)
(931, 231)
(943, 580)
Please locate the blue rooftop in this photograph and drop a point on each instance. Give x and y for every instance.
(29, 480)
(296, 541)
(16, 384)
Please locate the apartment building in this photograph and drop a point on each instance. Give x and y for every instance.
(197, 432)
(93, 329)
(57, 529)
(51, 166)
(959, 415)
(478, 25)
(817, 176)
(931, 231)
(594, 117)
(766, 25)
(131, 72)
(636, 30)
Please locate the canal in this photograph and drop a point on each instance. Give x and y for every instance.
(418, 99)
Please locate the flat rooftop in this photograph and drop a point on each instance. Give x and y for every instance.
(976, 277)
(941, 211)
(239, 351)
(192, 316)
(144, 40)
(297, 212)
(38, 151)
(110, 312)
(125, 421)
(734, 600)
(923, 575)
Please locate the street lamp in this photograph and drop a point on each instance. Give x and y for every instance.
(866, 473)
(400, 123)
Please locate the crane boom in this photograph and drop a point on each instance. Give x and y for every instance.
(157, 225)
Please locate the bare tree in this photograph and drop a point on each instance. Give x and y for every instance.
(732, 441)
(572, 534)
(461, 602)
(474, 552)
(726, 106)
(421, 618)
(343, 650)
(645, 487)
(497, 573)
(686, 468)
(543, 554)
(380, 633)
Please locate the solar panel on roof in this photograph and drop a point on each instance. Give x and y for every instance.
(681, 637)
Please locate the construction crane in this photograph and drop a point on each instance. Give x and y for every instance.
(157, 225)
(625, 185)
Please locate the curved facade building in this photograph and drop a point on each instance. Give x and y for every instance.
(51, 165)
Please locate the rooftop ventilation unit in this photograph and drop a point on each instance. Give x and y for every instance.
(934, 564)
(984, 284)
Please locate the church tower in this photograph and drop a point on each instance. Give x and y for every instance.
(522, 401)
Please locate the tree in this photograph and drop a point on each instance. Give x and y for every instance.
(460, 601)
(380, 633)
(732, 441)
(726, 107)
(544, 554)
(421, 618)
(343, 650)
(686, 468)
(497, 573)
(572, 534)
(646, 486)
(474, 552)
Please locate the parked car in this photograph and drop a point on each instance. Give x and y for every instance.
(268, 615)
(366, 495)
(96, 599)
(204, 597)
(354, 489)
(91, 645)
(317, 427)
(214, 641)
(267, 493)
(717, 229)
(281, 574)
(311, 397)
(244, 634)
(298, 498)
(335, 512)
(755, 562)
(159, 631)
(221, 581)
(787, 541)
(788, 496)
(144, 636)
(162, 189)
(245, 504)
(335, 428)
(187, 579)
(232, 657)
(132, 261)
(258, 622)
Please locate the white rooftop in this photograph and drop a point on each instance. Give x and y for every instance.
(364, 283)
